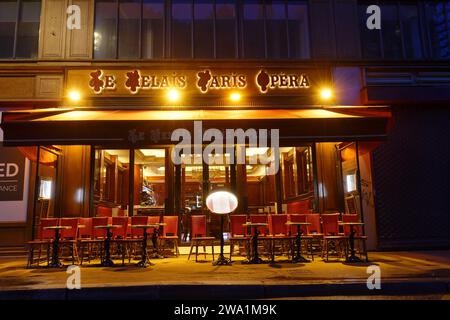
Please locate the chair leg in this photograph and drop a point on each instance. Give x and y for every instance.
(30, 255)
(196, 252)
(212, 249)
(190, 252)
(204, 250)
(231, 249)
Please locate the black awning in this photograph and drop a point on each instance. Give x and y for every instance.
(154, 127)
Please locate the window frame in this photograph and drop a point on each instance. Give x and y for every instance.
(19, 6)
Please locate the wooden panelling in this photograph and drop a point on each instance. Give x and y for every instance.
(255, 195)
(17, 87)
(330, 188)
(79, 41)
(48, 87)
(53, 29)
(75, 181)
(13, 235)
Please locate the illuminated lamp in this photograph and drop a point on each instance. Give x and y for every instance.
(74, 95)
(326, 93)
(173, 95)
(222, 203)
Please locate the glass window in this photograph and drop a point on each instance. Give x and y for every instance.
(8, 15)
(438, 21)
(105, 38)
(298, 29)
(277, 42)
(254, 32)
(181, 29)
(28, 29)
(225, 29)
(152, 28)
(391, 32)
(129, 25)
(27, 12)
(409, 17)
(203, 29)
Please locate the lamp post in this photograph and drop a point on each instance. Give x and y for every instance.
(221, 202)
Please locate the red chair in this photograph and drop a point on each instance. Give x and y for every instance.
(69, 237)
(138, 220)
(331, 235)
(314, 229)
(121, 213)
(198, 236)
(44, 239)
(259, 218)
(104, 212)
(170, 232)
(299, 207)
(238, 232)
(279, 234)
(120, 232)
(154, 220)
(99, 221)
(85, 228)
(359, 237)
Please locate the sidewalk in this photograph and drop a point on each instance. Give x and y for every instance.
(423, 272)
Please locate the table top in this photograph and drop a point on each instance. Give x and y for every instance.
(109, 226)
(145, 226)
(351, 223)
(57, 227)
(255, 224)
(295, 223)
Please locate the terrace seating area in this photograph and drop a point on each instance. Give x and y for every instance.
(124, 239)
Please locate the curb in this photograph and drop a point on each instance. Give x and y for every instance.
(232, 292)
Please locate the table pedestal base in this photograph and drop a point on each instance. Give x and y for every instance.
(300, 259)
(144, 264)
(353, 259)
(222, 261)
(107, 263)
(256, 260)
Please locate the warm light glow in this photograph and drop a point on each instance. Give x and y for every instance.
(221, 202)
(326, 93)
(74, 95)
(235, 97)
(173, 95)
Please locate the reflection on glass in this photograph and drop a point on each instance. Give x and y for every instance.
(7, 27)
(129, 24)
(181, 28)
(28, 29)
(105, 29)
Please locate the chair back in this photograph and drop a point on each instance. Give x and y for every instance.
(104, 212)
(152, 220)
(330, 224)
(315, 226)
(99, 221)
(299, 207)
(86, 230)
(351, 218)
(71, 233)
(138, 220)
(236, 225)
(298, 218)
(121, 213)
(120, 232)
(198, 226)
(171, 225)
(277, 224)
(47, 222)
(259, 218)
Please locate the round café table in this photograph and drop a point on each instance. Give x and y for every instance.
(254, 259)
(106, 261)
(145, 261)
(351, 240)
(55, 263)
(297, 256)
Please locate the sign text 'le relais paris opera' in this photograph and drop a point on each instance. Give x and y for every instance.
(257, 81)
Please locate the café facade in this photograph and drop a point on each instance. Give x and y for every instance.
(90, 115)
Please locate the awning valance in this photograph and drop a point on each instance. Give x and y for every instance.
(146, 127)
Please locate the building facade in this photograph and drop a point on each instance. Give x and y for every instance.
(91, 93)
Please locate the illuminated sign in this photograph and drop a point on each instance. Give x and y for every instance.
(203, 82)
(12, 170)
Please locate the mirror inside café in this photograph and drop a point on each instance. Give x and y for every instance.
(111, 183)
